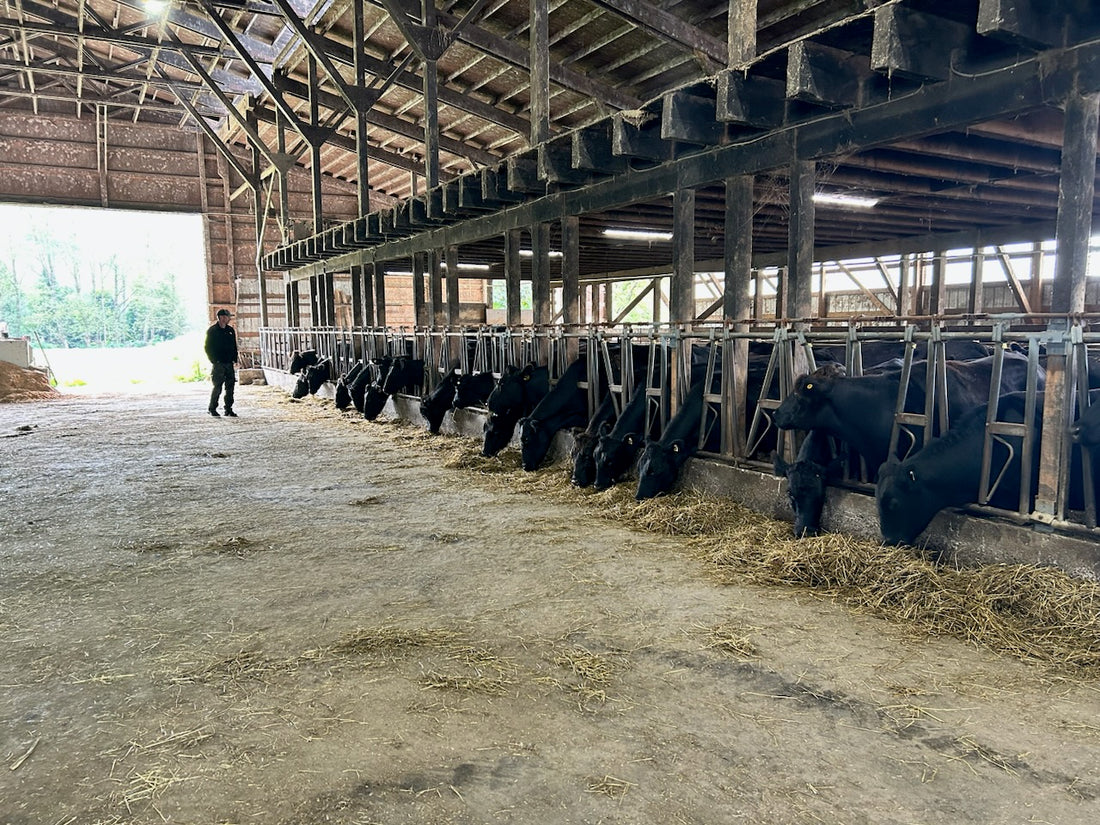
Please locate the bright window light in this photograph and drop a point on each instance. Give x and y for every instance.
(638, 234)
(155, 6)
(527, 253)
(842, 199)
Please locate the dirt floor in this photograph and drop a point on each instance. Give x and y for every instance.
(299, 617)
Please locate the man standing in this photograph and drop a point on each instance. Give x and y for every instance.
(221, 349)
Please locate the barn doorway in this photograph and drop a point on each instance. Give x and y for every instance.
(109, 300)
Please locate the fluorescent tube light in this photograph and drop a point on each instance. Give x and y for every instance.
(527, 253)
(842, 199)
(638, 234)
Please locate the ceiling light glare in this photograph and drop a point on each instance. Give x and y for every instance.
(637, 234)
(841, 199)
(469, 267)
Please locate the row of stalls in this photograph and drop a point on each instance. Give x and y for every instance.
(752, 370)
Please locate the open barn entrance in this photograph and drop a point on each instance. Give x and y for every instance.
(107, 299)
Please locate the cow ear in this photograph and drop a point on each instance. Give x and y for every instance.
(605, 428)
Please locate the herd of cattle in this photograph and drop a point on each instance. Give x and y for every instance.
(848, 422)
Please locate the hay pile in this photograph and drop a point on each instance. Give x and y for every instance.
(1035, 613)
(18, 384)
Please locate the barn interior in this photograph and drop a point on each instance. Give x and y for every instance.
(799, 173)
(302, 616)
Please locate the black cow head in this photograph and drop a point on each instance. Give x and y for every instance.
(473, 389)
(374, 401)
(343, 395)
(614, 457)
(584, 462)
(434, 406)
(509, 395)
(905, 505)
(300, 360)
(534, 441)
(301, 388)
(802, 409)
(498, 430)
(659, 467)
(806, 483)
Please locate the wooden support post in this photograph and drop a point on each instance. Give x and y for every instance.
(1035, 285)
(540, 273)
(436, 314)
(976, 299)
(741, 32)
(800, 255)
(261, 223)
(361, 142)
(284, 183)
(379, 297)
(540, 72)
(937, 295)
(315, 146)
(366, 291)
(682, 287)
(450, 314)
(736, 296)
(512, 273)
(420, 310)
(571, 315)
(1073, 231)
(357, 296)
(905, 295)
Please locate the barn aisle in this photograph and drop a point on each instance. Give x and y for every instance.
(301, 617)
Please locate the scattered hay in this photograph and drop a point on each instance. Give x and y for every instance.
(490, 685)
(470, 458)
(389, 640)
(733, 639)
(241, 666)
(609, 786)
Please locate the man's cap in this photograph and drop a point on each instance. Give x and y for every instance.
(225, 312)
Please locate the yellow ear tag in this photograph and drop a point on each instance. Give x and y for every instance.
(809, 386)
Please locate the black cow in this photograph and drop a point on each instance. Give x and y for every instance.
(300, 360)
(947, 472)
(318, 374)
(813, 469)
(435, 404)
(859, 410)
(406, 375)
(372, 373)
(585, 442)
(402, 374)
(301, 387)
(1086, 430)
(661, 460)
(618, 445)
(516, 394)
(472, 389)
(343, 386)
(566, 405)
(519, 389)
